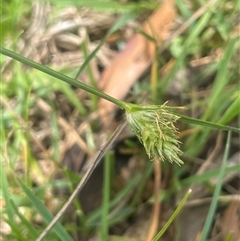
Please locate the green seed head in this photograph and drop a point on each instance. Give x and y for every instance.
(154, 127)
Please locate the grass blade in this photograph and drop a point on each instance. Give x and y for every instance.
(108, 6)
(217, 191)
(72, 97)
(213, 104)
(221, 79)
(6, 195)
(106, 196)
(165, 227)
(190, 41)
(123, 20)
(232, 111)
(89, 70)
(208, 124)
(10, 212)
(32, 231)
(60, 76)
(58, 229)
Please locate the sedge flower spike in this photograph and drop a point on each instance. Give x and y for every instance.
(154, 127)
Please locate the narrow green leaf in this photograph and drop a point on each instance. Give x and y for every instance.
(221, 79)
(208, 124)
(217, 191)
(232, 111)
(94, 98)
(185, 10)
(121, 21)
(61, 76)
(109, 6)
(173, 216)
(43, 211)
(72, 97)
(6, 195)
(198, 28)
(32, 231)
(190, 41)
(147, 36)
(9, 210)
(106, 196)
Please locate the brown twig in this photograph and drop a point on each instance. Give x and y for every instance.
(156, 209)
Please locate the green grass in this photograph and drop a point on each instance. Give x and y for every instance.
(29, 136)
(216, 194)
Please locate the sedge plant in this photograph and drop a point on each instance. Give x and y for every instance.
(152, 124)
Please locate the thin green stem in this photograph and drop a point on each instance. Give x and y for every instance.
(176, 212)
(94, 98)
(123, 105)
(217, 191)
(62, 77)
(209, 124)
(106, 196)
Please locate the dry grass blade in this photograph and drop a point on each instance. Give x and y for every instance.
(82, 182)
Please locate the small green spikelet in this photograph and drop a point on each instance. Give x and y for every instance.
(154, 127)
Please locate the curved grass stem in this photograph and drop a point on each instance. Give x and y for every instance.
(55, 74)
